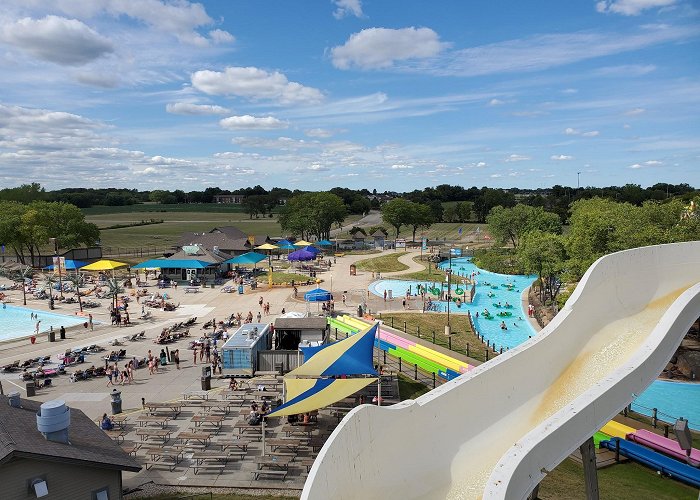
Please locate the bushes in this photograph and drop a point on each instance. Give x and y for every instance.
(498, 260)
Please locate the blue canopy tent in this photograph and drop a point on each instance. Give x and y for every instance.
(69, 264)
(325, 243)
(173, 264)
(318, 295)
(246, 258)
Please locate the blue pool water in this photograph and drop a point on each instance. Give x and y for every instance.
(15, 322)
(672, 399)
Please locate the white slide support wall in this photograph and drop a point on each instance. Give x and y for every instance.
(496, 431)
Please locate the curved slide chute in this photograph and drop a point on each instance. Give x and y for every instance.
(497, 430)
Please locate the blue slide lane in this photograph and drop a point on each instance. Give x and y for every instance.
(657, 461)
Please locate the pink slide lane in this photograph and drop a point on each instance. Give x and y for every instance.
(664, 445)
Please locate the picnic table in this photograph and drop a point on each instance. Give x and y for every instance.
(187, 436)
(116, 434)
(290, 444)
(300, 429)
(222, 405)
(191, 289)
(233, 394)
(146, 434)
(144, 420)
(275, 466)
(215, 421)
(240, 443)
(244, 427)
(157, 408)
(195, 395)
(118, 421)
(163, 456)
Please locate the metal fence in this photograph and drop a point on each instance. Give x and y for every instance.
(457, 342)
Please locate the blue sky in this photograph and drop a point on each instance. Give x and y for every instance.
(391, 95)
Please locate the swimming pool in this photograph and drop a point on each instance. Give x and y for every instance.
(672, 399)
(491, 289)
(16, 322)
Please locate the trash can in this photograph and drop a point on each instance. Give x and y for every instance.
(390, 294)
(359, 311)
(116, 401)
(206, 378)
(62, 331)
(240, 289)
(212, 285)
(31, 389)
(52, 336)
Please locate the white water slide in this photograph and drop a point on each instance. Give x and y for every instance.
(495, 431)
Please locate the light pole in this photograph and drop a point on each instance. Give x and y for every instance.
(448, 330)
(578, 180)
(57, 262)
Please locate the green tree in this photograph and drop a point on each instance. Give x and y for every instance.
(397, 213)
(421, 217)
(463, 210)
(544, 254)
(508, 225)
(309, 214)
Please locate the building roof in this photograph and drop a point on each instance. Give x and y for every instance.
(202, 253)
(230, 232)
(240, 339)
(228, 239)
(310, 323)
(89, 445)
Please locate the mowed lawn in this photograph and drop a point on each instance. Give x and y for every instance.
(174, 224)
(385, 264)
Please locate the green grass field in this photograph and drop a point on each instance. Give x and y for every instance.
(147, 208)
(384, 264)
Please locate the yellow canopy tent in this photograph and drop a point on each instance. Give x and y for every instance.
(104, 265)
(302, 243)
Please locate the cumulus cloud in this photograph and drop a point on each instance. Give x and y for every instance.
(496, 102)
(561, 157)
(347, 8)
(316, 167)
(252, 122)
(255, 84)
(591, 133)
(648, 163)
(220, 36)
(374, 48)
(515, 157)
(635, 166)
(635, 112)
(187, 108)
(56, 39)
(630, 7)
(401, 166)
(105, 81)
(281, 143)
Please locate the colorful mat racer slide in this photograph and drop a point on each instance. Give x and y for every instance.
(408, 350)
(495, 431)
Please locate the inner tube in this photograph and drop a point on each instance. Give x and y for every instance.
(459, 291)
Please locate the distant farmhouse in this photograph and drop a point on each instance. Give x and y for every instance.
(51, 451)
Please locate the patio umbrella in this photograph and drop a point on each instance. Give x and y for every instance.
(311, 249)
(269, 248)
(300, 255)
(246, 258)
(325, 243)
(104, 265)
(69, 264)
(302, 243)
(282, 243)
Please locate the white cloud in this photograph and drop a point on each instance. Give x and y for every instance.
(626, 70)
(569, 91)
(221, 37)
(573, 131)
(106, 81)
(374, 48)
(319, 132)
(281, 143)
(653, 163)
(401, 166)
(312, 168)
(347, 8)
(255, 84)
(252, 122)
(635, 112)
(57, 40)
(540, 52)
(635, 166)
(495, 176)
(515, 157)
(630, 7)
(187, 108)
(561, 157)
(496, 102)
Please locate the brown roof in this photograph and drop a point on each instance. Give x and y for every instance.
(89, 445)
(311, 323)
